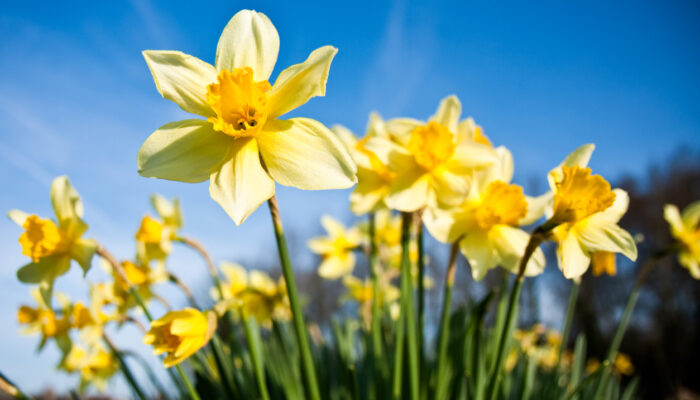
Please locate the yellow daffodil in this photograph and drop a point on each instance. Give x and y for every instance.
(486, 223)
(52, 245)
(685, 228)
(44, 320)
(603, 262)
(373, 176)
(140, 275)
(180, 334)
(336, 249)
(154, 236)
(432, 166)
(622, 365)
(253, 293)
(583, 211)
(241, 145)
(95, 365)
(540, 344)
(362, 291)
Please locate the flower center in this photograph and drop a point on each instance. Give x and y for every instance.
(501, 204)
(579, 194)
(239, 102)
(150, 231)
(42, 238)
(431, 145)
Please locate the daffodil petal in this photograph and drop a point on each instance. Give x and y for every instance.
(577, 158)
(303, 153)
(332, 226)
(599, 235)
(673, 217)
(391, 154)
(66, 201)
(409, 192)
(82, 252)
(444, 226)
(480, 254)
(182, 78)
(184, 151)
(346, 136)
(449, 188)
(573, 261)
(448, 113)
(241, 184)
(320, 245)
(369, 193)
(536, 208)
(248, 40)
(376, 125)
(299, 83)
(17, 216)
(510, 243)
(619, 207)
(468, 156)
(399, 129)
(691, 215)
(336, 267)
(501, 170)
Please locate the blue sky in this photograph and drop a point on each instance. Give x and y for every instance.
(76, 98)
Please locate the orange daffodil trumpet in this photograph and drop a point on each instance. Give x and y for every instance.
(241, 146)
(431, 161)
(53, 244)
(584, 212)
(486, 223)
(685, 228)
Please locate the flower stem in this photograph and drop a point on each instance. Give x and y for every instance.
(252, 332)
(299, 327)
(407, 306)
(10, 388)
(377, 351)
(445, 317)
(116, 266)
(629, 308)
(536, 238)
(196, 246)
(128, 375)
(570, 307)
(186, 290)
(418, 222)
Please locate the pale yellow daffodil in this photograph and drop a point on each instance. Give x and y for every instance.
(373, 176)
(95, 365)
(45, 321)
(53, 244)
(337, 249)
(584, 212)
(431, 164)
(362, 291)
(486, 223)
(252, 293)
(685, 228)
(241, 146)
(180, 334)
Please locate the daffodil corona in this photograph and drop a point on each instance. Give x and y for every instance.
(242, 147)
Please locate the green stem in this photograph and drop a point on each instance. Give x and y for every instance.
(299, 327)
(377, 351)
(398, 349)
(445, 317)
(570, 307)
(188, 385)
(252, 332)
(421, 294)
(629, 308)
(536, 238)
(223, 365)
(407, 307)
(126, 371)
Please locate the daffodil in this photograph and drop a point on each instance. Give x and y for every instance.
(583, 212)
(154, 236)
(685, 228)
(586, 212)
(253, 293)
(622, 365)
(539, 344)
(44, 320)
(432, 166)
(242, 146)
(486, 223)
(53, 244)
(362, 291)
(373, 176)
(180, 334)
(96, 365)
(336, 249)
